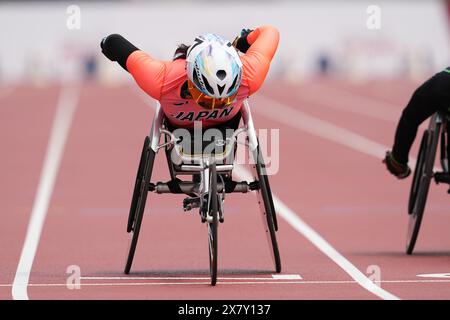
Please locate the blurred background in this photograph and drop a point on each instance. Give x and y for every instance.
(57, 41)
(72, 125)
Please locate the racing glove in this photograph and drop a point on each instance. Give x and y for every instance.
(240, 42)
(398, 169)
(117, 48)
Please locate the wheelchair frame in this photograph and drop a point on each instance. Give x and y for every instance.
(208, 193)
(425, 172)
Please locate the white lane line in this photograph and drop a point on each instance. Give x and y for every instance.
(434, 275)
(298, 224)
(310, 282)
(320, 243)
(287, 276)
(273, 278)
(293, 219)
(113, 284)
(351, 102)
(67, 102)
(318, 127)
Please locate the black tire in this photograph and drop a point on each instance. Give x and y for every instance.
(421, 185)
(140, 206)
(213, 224)
(417, 173)
(272, 206)
(269, 209)
(137, 184)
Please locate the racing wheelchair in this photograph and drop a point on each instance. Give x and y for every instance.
(211, 179)
(425, 172)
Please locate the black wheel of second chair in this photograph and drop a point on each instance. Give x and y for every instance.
(421, 185)
(418, 171)
(143, 188)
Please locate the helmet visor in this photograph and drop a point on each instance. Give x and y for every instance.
(208, 102)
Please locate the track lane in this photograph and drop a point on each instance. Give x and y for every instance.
(25, 119)
(338, 211)
(376, 216)
(81, 230)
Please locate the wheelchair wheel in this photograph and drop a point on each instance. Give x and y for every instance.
(418, 171)
(137, 184)
(142, 190)
(267, 207)
(421, 185)
(272, 206)
(213, 223)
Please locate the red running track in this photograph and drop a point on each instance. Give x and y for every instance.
(344, 194)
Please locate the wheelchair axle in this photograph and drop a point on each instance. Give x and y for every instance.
(179, 187)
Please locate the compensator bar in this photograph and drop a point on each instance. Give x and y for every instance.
(187, 187)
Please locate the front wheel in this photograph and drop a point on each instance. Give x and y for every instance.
(213, 223)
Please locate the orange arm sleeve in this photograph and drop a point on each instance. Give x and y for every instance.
(263, 44)
(148, 73)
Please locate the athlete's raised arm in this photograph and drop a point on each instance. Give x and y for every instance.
(259, 47)
(148, 72)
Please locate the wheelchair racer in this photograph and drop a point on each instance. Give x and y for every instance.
(206, 81)
(431, 97)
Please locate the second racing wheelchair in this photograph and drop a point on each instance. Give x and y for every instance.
(210, 173)
(425, 171)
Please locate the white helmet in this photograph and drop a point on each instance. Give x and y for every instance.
(214, 67)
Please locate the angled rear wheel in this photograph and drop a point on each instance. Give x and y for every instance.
(267, 208)
(139, 200)
(137, 184)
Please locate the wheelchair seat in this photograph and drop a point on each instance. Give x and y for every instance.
(192, 147)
